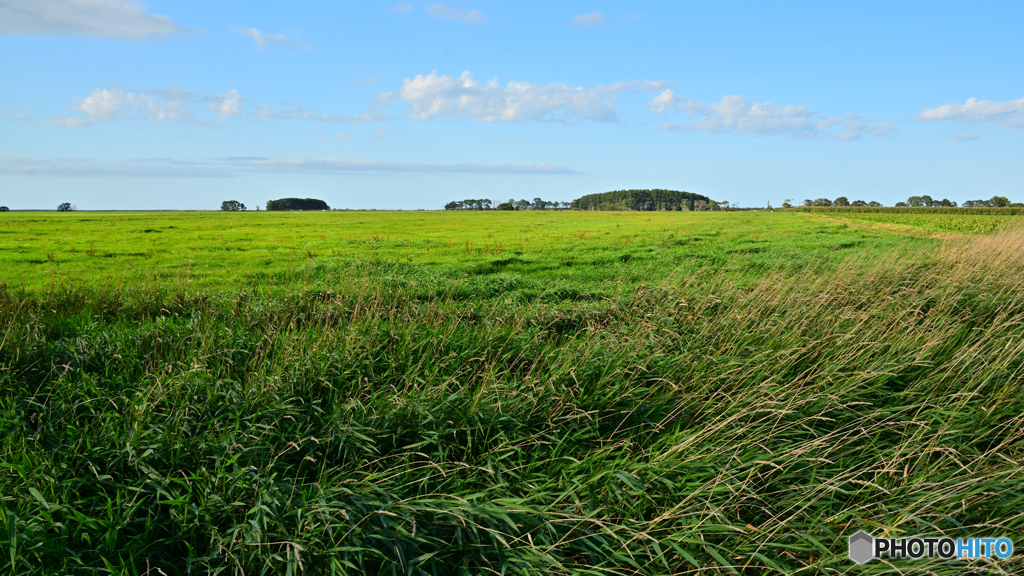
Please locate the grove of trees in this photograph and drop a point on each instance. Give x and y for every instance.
(482, 204)
(4, 209)
(993, 202)
(232, 206)
(296, 204)
(926, 201)
(841, 201)
(512, 204)
(645, 200)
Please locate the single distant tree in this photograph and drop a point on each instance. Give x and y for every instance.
(808, 202)
(841, 201)
(65, 207)
(874, 204)
(999, 202)
(902, 205)
(858, 203)
(232, 206)
(787, 204)
(505, 206)
(822, 202)
(4, 208)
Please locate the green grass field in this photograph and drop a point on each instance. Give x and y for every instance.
(222, 252)
(505, 393)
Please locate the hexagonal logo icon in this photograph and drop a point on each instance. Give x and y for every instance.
(861, 547)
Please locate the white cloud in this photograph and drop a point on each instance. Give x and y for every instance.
(263, 40)
(433, 96)
(20, 115)
(121, 19)
(973, 110)
(226, 167)
(593, 19)
(227, 105)
(107, 104)
(966, 137)
(1009, 113)
(74, 167)
(343, 165)
(290, 112)
(116, 104)
(344, 135)
(176, 105)
(170, 105)
(856, 128)
(737, 115)
(456, 12)
(403, 7)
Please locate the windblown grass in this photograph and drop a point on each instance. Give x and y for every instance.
(379, 418)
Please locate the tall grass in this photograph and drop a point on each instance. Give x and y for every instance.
(361, 425)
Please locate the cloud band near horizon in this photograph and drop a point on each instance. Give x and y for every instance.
(237, 165)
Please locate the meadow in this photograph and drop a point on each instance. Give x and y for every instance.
(910, 220)
(225, 251)
(505, 393)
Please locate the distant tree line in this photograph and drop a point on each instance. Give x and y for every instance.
(924, 201)
(841, 201)
(512, 204)
(993, 202)
(296, 204)
(646, 200)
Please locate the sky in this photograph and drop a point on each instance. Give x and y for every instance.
(153, 104)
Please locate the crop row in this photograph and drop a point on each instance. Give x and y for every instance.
(910, 210)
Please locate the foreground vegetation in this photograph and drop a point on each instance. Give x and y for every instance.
(658, 393)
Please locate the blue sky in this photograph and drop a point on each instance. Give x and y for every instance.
(118, 104)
